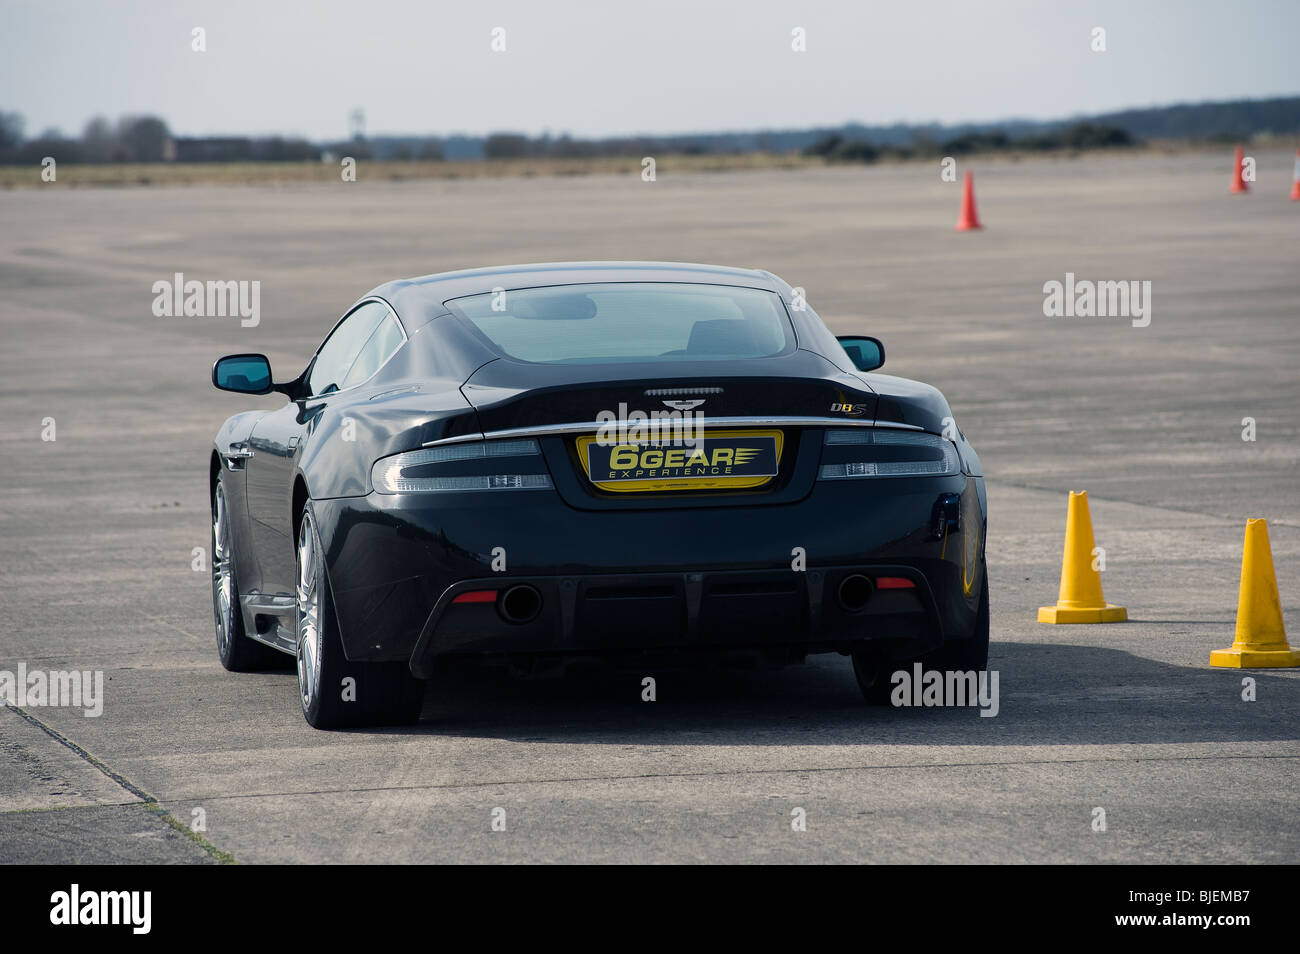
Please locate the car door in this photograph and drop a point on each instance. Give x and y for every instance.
(277, 439)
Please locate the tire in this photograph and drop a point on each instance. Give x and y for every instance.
(874, 672)
(236, 650)
(963, 655)
(336, 693)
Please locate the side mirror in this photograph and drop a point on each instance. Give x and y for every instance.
(867, 354)
(244, 373)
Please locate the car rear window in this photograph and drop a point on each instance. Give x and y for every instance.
(630, 322)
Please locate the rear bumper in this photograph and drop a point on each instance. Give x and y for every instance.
(717, 610)
(633, 580)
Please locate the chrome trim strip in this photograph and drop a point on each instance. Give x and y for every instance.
(282, 639)
(454, 440)
(270, 604)
(551, 430)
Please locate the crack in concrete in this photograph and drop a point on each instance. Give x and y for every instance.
(733, 774)
(149, 801)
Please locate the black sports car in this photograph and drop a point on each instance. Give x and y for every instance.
(548, 462)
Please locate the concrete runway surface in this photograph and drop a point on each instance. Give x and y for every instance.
(97, 529)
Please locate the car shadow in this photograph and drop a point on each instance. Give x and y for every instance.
(1048, 695)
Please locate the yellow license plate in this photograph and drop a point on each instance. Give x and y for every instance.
(715, 460)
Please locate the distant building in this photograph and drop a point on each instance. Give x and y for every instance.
(225, 149)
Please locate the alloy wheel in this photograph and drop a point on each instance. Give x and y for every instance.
(308, 593)
(222, 578)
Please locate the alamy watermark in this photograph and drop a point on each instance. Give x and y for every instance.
(681, 424)
(951, 688)
(179, 298)
(1088, 299)
(133, 909)
(62, 688)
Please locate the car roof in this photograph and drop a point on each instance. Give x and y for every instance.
(414, 298)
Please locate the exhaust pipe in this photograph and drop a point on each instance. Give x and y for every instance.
(520, 604)
(855, 592)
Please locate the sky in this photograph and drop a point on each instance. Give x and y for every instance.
(614, 67)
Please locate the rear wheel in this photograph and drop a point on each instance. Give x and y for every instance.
(334, 692)
(972, 653)
(237, 652)
(874, 671)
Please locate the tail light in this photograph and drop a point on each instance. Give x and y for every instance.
(885, 453)
(478, 465)
(476, 596)
(894, 583)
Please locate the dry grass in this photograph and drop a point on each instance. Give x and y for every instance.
(394, 170)
(284, 173)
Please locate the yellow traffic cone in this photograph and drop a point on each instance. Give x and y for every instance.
(1080, 599)
(1260, 640)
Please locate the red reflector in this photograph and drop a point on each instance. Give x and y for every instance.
(894, 583)
(477, 596)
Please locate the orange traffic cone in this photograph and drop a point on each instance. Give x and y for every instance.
(1080, 599)
(969, 218)
(1260, 639)
(1238, 182)
(1295, 179)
